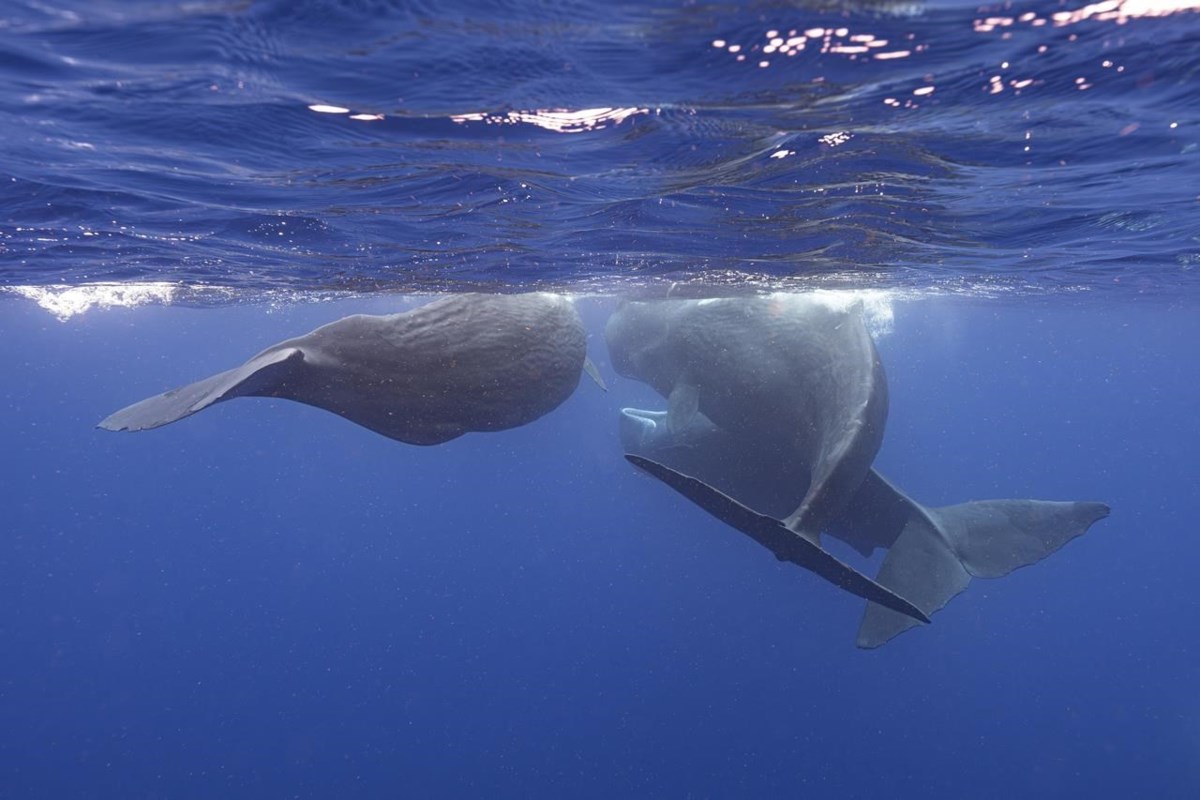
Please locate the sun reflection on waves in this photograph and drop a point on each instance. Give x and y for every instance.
(1118, 11)
(560, 120)
(361, 116)
(835, 41)
(776, 45)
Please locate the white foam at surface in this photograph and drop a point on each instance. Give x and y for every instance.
(65, 302)
(878, 307)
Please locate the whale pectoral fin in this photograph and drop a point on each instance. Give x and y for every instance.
(258, 376)
(776, 537)
(590, 368)
(941, 549)
(682, 406)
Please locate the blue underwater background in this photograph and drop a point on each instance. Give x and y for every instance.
(265, 600)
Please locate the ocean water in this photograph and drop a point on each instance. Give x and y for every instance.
(265, 600)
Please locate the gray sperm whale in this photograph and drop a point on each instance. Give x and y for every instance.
(468, 362)
(776, 410)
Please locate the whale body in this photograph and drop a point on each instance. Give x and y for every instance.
(466, 362)
(776, 408)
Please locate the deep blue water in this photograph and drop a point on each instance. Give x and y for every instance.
(268, 601)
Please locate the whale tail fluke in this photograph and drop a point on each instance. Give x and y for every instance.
(256, 377)
(939, 550)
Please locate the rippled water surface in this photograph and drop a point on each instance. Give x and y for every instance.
(387, 145)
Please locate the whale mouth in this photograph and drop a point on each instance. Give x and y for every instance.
(639, 427)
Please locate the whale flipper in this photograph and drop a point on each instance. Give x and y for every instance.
(592, 372)
(682, 406)
(939, 550)
(780, 540)
(257, 376)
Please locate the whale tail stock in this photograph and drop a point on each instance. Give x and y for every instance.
(934, 552)
(258, 376)
(786, 544)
